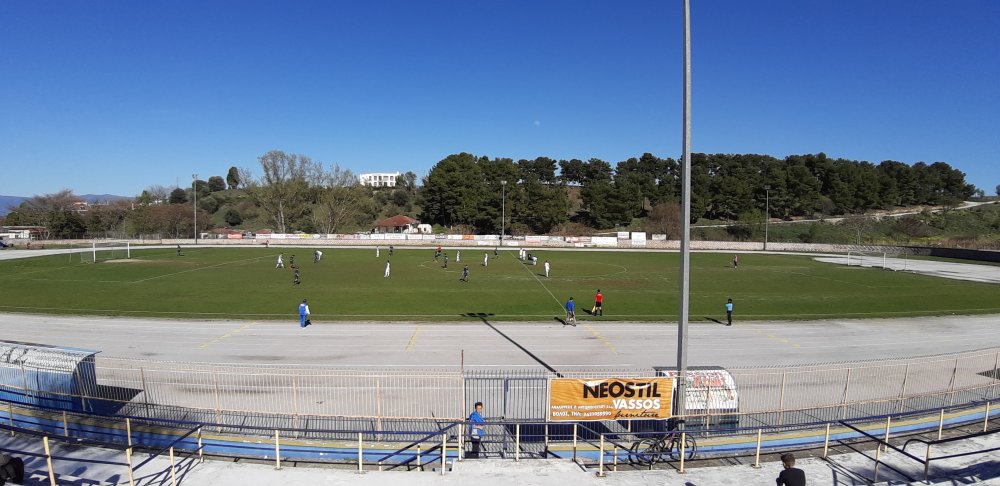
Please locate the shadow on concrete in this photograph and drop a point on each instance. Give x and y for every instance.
(482, 316)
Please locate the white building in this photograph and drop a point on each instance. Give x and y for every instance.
(379, 179)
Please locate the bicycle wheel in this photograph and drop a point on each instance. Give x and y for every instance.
(646, 452)
(674, 450)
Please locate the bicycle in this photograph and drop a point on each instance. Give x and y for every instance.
(650, 450)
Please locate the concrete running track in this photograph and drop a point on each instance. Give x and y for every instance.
(508, 345)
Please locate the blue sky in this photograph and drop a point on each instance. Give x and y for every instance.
(112, 96)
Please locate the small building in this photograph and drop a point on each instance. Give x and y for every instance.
(379, 179)
(396, 224)
(22, 232)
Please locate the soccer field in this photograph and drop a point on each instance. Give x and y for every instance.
(348, 284)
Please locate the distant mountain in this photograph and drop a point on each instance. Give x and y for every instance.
(6, 202)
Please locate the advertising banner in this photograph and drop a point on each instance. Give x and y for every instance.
(604, 240)
(709, 390)
(572, 399)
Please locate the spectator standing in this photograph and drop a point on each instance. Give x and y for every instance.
(729, 312)
(303, 313)
(791, 475)
(477, 430)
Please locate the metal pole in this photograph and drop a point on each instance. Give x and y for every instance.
(65, 425)
(48, 461)
(444, 451)
(10, 417)
(756, 456)
(767, 212)
(681, 448)
(128, 430)
(600, 464)
(986, 417)
(420, 467)
(201, 454)
(781, 400)
(194, 192)
(503, 209)
(888, 424)
(574, 442)
(940, 424)
(128, 461)
(277, 450)
(826, 441)
(902, 390)
(685, 290)
(927, 463)
(517, 442)
(361, 467)
(173, 470)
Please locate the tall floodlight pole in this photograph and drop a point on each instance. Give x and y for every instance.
(503, 208)
(767, 212)
(682, 321)
(194, 192)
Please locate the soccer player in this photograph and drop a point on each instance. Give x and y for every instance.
(729, 312)
(465, 274)
(445, 260)
(386, 269)
(458, 256)
(736, 262)
(178, 250)
(295, 276)
(376, 251)
(390, 250)
(317, 256)
(291, 261)
(570, 312)
(547, 268)
(281, 261)
(486, 258)
(303, 313)
(598, 304)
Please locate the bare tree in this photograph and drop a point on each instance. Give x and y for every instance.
(283, 190)
(664, 218)
(343, 202)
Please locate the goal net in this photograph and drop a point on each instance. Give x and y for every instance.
(876, 259)
(104, 250)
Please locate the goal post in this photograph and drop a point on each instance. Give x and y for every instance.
(104, 250)
(876, 259)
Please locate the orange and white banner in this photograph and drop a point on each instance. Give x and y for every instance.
(573, 399)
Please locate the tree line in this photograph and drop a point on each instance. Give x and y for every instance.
(469, 193)
(466, 190)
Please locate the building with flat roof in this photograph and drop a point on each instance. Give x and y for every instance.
(379, 179)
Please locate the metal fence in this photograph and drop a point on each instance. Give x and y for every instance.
(297, 396)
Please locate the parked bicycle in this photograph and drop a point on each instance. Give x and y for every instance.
(650, 450)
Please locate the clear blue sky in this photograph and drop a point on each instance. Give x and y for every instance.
(113, 96)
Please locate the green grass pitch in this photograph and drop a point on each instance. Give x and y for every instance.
(242, 283)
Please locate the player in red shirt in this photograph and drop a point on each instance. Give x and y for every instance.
(598, 304)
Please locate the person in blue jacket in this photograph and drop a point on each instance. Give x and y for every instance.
(303, 313)
(570, 312)
(476, 429)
